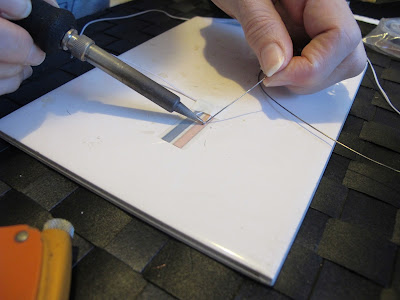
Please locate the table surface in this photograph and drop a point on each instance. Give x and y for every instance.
(347, 246)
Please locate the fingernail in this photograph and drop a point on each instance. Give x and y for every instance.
(54, 2)
(266, 83)
(24, 10)
(28, 9)
(27, 72)
(270, 83)
(271, 59)
(35, 57)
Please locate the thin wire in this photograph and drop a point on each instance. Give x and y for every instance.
(186, 19)
(381, 89)
(259, 82)
(237, 99)
(324, 134)
(131, 16)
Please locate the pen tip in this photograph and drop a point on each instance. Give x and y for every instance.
(183, 110)
(200, 120)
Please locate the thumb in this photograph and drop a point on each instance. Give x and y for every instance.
(266, 34)
(18, 9)
(15, 9)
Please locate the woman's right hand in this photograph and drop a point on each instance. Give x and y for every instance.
(17, 49)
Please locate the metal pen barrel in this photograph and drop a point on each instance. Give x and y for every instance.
(85, 49)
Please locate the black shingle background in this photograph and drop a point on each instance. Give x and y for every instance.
(347, 246)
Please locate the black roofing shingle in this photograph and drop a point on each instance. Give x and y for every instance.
(80, 248)
(49, 189)
(370, 213)
(102, 39)
(369, 80)
(156, 18)
(187, 274)
(154, 30)
(77, 67)
(387, 117)
(3, 188)
(136, 244)
(335, 282)
(94, 218)
(378, 173)
(379, 101)
(251, 290)
(365, 27)
(3, 145)
(311, 230)
(151, 291)
(99, 275)
(336, 168)
(362, 106)
(99, 26)
(371, 187)
(16, 208)
(392, 90)
(396, 274)
(378, 59)
(299, 273)
(390, 294)
(144, 5)
(353, 125)
(329, 197)
(359, 250)
(383, 135)
(124, 30)
(7, 106)
(94, 28)
(396, 232)
(183, 7)
(381, 154)
(350, 140)
(392, 72)
(18, 169)
(119, 47)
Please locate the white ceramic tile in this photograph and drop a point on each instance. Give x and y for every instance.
(238, 191)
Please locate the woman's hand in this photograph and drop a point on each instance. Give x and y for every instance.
(326, 31)
(17, 50)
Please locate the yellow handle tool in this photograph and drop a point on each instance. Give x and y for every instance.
(36, 265)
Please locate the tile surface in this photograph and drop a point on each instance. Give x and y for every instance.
(347, 246)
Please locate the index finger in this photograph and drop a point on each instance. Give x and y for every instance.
(334, 33)
(18, 46)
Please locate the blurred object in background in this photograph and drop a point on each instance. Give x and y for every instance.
(385, 38)
(81, 8)
(376, 9)
(379, 1)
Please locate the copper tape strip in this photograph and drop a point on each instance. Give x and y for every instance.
(191, 133)
(185, 131)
